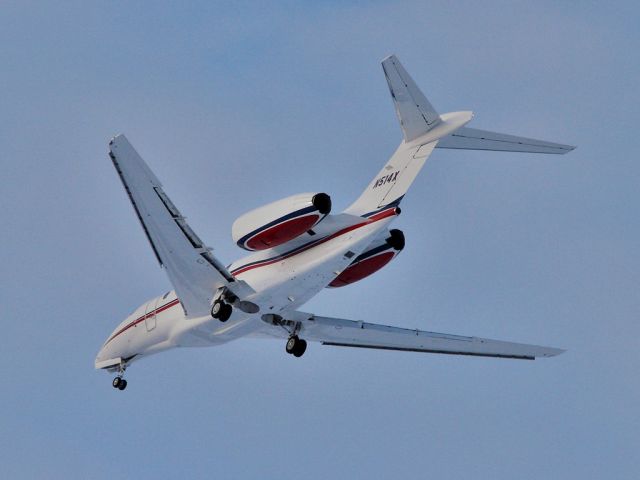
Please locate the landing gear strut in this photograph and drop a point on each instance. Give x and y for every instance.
(296, 346)
(119, 382)
(221, 310)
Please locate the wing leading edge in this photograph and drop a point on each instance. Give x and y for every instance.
(349, 333)
(194, 272)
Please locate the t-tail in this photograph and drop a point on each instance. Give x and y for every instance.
(424, 129)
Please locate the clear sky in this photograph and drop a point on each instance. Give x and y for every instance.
(237, 104)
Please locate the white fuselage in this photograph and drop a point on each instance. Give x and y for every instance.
(283, 279)
(299, 249)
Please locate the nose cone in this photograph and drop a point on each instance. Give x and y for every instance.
(113, 350)
(107, 357)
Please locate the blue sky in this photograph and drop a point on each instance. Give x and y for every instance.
(237, 104)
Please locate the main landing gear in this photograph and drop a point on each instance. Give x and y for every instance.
(221, 310)
(296, 346)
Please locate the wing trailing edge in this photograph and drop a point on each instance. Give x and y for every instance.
(350, 333)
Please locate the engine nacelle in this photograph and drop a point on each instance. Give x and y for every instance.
(281, 221)
(377, 256)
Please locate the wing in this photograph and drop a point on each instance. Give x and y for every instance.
(473, 139)
(194, 272)
(349, 333)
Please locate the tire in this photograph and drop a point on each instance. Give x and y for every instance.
(301, 347)
(292, 344)
(122, 385)
(116, 382)
(225, 312)
(216, 309)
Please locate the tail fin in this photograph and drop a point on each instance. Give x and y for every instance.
(416, 115)
(424, 129)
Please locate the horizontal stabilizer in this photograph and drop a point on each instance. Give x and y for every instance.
(473, 139)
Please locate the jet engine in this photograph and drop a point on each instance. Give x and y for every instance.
(379, 253)
(280, 221)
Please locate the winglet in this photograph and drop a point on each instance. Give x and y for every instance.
(416, 115)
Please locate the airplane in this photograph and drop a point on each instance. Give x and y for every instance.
(298, 248)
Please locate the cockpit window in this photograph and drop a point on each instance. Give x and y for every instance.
(166, 295)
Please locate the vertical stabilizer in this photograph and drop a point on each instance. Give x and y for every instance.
(424, 129)
(416, 115)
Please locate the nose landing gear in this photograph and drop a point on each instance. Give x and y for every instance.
(119, 382)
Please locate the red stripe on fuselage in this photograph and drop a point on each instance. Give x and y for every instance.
(164, 307)
(374, 218)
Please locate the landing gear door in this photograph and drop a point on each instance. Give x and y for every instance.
(150, 314)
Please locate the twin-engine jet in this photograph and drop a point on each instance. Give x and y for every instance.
(298, 247)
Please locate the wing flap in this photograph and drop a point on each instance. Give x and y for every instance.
(350, 333)
(192, 269)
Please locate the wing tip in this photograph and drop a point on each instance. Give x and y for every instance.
(552, 352)
(389, 58)
(116, 138)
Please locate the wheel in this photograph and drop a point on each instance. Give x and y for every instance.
(116, 382)
(292, 344)
(216, 309)
(301, 346)
(221, 310)
(225, 312)
(122, 385)
(228, 310)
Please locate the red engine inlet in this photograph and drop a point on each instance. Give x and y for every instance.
(372, 260)
(281, 221)
(281, 233)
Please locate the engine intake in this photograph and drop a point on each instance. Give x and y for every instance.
(280, 221)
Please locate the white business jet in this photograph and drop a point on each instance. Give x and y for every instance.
(298, 248)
